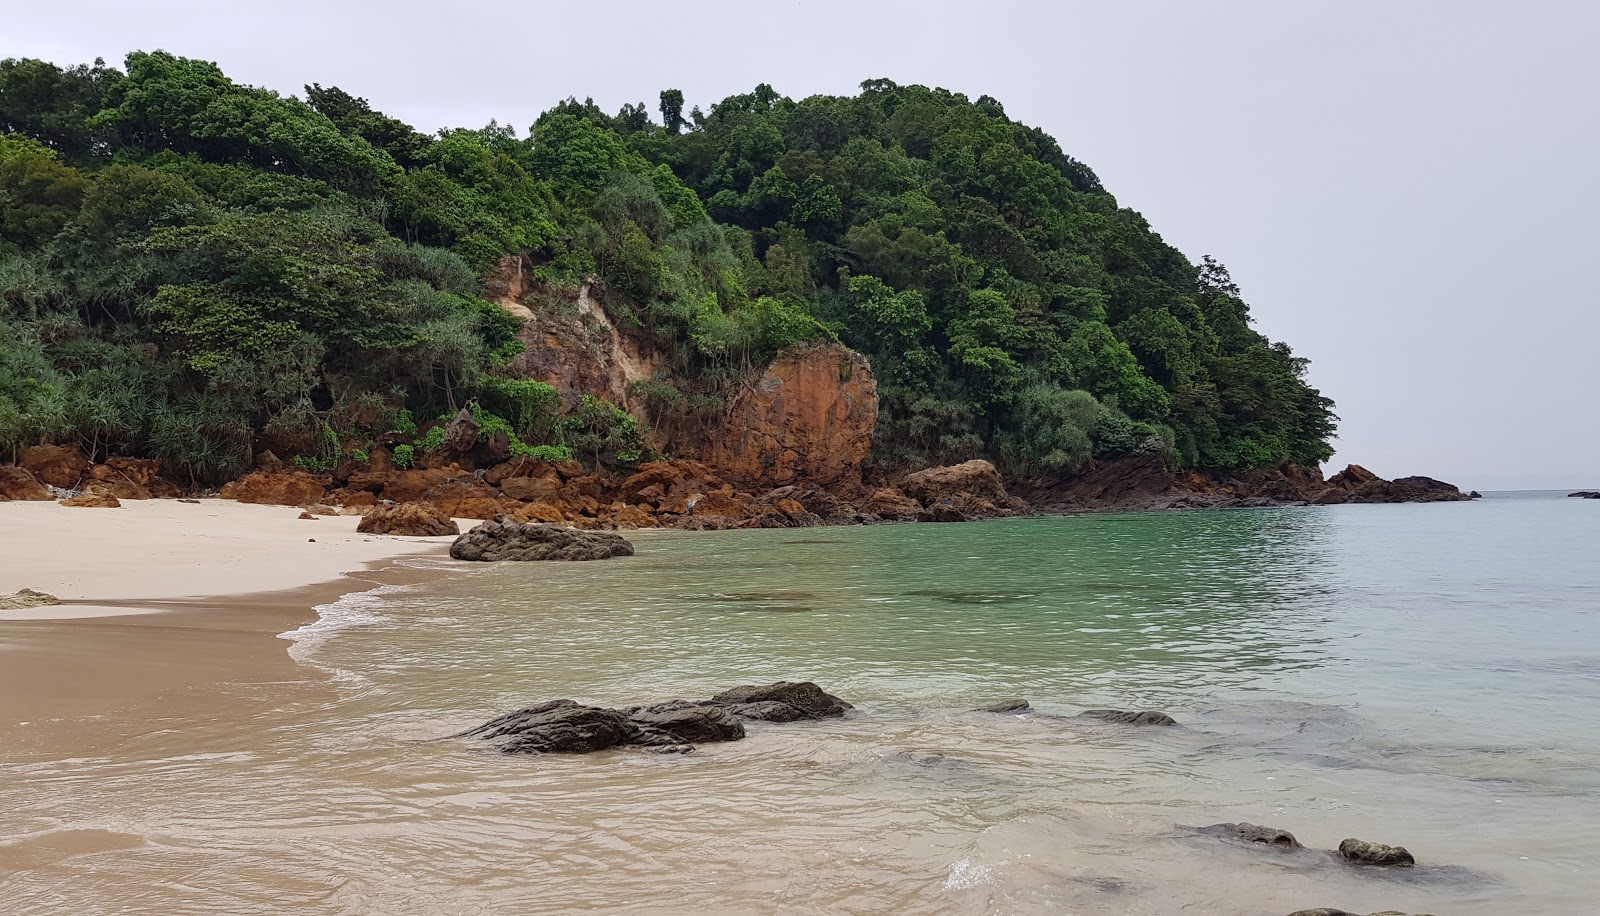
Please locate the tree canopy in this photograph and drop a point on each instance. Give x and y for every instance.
(187, 264)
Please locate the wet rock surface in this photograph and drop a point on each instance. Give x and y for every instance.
(1129, 716)
(1252, 833)
(1361, 852)
(1006, 706)
(509, 539)
(568, 727)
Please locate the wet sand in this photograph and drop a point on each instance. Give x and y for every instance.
(163, 602)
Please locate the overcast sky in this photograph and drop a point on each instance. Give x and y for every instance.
(1406, 191)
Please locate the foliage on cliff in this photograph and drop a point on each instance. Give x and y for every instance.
(187, 263)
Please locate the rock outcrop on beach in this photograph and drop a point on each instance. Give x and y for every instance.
(415, 520)
(1361, 852)
(568, 727)
(27, 598)
(61, 466)
(505, 538)
(20, 485)
(92, 501)
(276, 488)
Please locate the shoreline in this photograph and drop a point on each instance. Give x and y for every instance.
(169, 611)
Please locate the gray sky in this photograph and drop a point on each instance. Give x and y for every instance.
(1406, 191)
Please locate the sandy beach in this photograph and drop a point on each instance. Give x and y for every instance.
(162, 601)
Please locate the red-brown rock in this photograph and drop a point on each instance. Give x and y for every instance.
(468, 498)
(92, 501)
(809, 418)
(532, 488)
(976, 478)
(408, 520)
(56, 465)
(18, 484)
(1352, 477)
(291, 488)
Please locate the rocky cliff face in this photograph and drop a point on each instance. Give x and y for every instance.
(808, 419)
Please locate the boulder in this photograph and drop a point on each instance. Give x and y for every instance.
(1129, 716)
(809, 699)
(321, 509)
(1351, 477)
(680, 722)
(1584, 494)
(505, 538)
(975, 478)
(20, 485)
(283, 488)
(92, 501)
(416, 520)
(55, 465)
(466, 497)
(25, 599)
(1361, 852)
(529, 489)
(127, 478)
(556, 727)
(1251, 833)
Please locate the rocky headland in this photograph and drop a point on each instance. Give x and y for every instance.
(792, 448)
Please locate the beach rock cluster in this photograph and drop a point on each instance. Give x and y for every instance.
(568, 727)
(48, 472)
(1144, 480)
(505, 538)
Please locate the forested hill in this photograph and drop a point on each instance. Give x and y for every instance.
(187, 264)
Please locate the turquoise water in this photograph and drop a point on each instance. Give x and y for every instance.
(1419, 675)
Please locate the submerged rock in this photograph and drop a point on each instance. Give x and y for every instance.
(506, 538)
(1326, 911)
(569, 727)
(417, 520)
(1017, 705)
(1361, 852)
(1251, 833)
(1129, 716)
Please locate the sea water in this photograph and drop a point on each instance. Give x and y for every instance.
(1420, 675)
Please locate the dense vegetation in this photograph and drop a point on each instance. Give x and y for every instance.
(189, 267)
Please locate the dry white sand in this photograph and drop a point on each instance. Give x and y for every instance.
(161, 549)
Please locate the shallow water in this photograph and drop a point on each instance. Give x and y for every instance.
(1420, 675)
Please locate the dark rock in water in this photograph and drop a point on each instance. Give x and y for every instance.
(1584, 494)
(1361, 852)
(1325, 911)
(1129, 716)
(1474, 495)
(556, 727)
(506, 538)
(1250, 833)
(1017, 705)
(812, 701)
(942, 514)
(684, 723)
(568, 727)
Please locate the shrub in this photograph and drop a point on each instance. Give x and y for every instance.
(404, 457)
